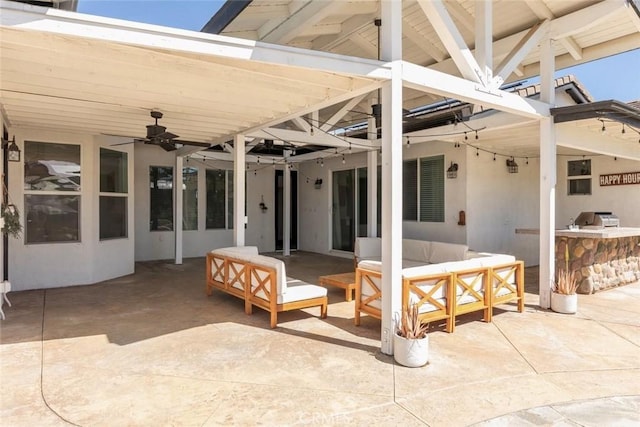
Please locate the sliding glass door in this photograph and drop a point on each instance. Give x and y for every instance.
(348, 208)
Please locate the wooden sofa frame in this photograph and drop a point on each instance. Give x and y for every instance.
(238, 276)
(459, 286)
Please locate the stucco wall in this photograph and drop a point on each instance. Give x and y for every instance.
(153, 245)
(49, 265)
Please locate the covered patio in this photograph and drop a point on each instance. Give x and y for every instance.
(151, 349)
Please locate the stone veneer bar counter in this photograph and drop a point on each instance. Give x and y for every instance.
(601, 258)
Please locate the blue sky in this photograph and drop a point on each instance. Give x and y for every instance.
(615, 77)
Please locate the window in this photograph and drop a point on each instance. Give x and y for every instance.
(52, 192)
(410, 186)
(113, 194)
(581, 169)
(189, 198)
(432, 189)
(161, 190)
(423, 189)
(219, 199)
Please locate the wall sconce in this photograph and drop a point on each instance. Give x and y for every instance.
(512, 166)
(318, 184)
(262, 206)
(13, 152)
(452, 172)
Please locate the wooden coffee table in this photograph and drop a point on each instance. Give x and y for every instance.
(346, 281)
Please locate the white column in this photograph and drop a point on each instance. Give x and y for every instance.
(547, 176)
(238, 190)
(391, 50)
(2, 248)
(372, 182)
(286, 208)
(177, 223)
(484, 40)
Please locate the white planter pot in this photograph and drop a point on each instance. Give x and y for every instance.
(561, 303)
(412, 353)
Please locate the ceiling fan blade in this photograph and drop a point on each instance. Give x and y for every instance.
(165, 135)
(167, 145)
(194, 143)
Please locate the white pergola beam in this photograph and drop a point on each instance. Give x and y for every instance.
(484, 39)
(520, 51)
(321, 30)
(318, 138)
(335, 118)
(435, 82)
(422, 42)
(572, 47)
(178, 209)
(349, 27)
(302, 124)
(570, 136)
(369, 49)
(437, 14)
(456, 10)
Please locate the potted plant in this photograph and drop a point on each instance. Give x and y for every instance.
(411, 342)
(10, 220)
(564, 298)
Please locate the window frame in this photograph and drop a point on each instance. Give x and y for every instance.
(114, 194)
(584, 175)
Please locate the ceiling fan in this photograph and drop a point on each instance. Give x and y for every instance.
(158, 135)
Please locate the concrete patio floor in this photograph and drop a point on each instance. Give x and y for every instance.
(152, 349)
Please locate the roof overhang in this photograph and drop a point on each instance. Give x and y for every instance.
(611, 110)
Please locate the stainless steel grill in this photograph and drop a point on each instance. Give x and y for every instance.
(597, 220)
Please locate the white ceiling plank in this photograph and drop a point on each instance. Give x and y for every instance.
(522, 49)
(633, 15)
(346, 108)
(453, 41)
(429, 80)
(321, 30)
(543, 12)
(583, 19)
(571, 136)
(370, 50)
(465, 18)
(307, 15)
(350, 26)
(572, 47)
(422, 42)
(89, 27)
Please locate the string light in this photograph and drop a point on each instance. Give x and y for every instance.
(623, 130)
(477, 135)
(527, 160)
(258, 160)
(408, 142)
(343, 160)
(466, 138)
(604, 129)
(477, 152)
(494, 157)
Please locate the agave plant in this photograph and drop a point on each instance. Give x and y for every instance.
(11, 216)
(566, 283)
(411, 327)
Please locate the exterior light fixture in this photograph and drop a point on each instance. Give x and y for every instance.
(318, 184)
(13, 151)
(452, 171)
(512, 166)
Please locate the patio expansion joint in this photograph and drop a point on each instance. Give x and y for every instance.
(524, 358)
(604, 325)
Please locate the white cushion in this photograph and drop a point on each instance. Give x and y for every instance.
(370, 265)
(443, 252)
(368, 248)
(423, 270)
(497, 259)
(416, 250)
(238, 252)
(278, 265)
(299, 291)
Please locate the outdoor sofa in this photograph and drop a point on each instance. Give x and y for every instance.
(260, 281)
(443, 279)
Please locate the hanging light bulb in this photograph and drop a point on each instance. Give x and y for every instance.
(527, 161)
(321, 163)
(258, 160)
(477, 135)
(623, 130)
(494, 157)
(604, 129)
(477, 152)
(343, 160)
(349, 148)
(466, 138)
(408, 142)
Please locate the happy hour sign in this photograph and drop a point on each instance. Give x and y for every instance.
(625, 178)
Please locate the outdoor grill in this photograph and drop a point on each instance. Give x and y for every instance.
(597, 220)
